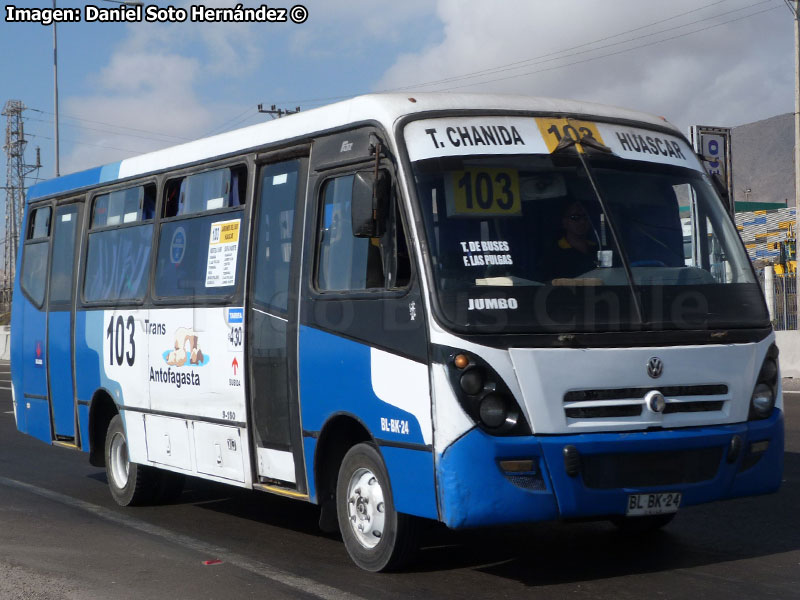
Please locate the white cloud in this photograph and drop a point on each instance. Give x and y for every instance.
(724, 75)
(152, 83)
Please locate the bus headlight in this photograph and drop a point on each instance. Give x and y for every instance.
(762, 401)
(495, 411)
(472, 381)
(764, 395)
(482, 393)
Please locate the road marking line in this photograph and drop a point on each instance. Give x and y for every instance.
(791, 391)
(297, 582)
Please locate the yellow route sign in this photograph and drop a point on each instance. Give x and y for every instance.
(555, 130)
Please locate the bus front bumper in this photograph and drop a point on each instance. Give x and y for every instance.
(486, 480)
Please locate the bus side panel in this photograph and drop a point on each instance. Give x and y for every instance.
(30, 359)
(310, 451)
(16, 329)
(336, 378)
(60, 345)
(413, 492)
(89, 357)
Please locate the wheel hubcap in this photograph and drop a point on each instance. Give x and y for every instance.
(366, 508)
(119, 463)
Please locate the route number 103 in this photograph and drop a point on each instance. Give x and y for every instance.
(486, 191)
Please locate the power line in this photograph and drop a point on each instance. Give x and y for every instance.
(593, 58)
(223, 125)
(106, 131)
(44, 137)
(538, 59)
(61, 115)
(501, 68)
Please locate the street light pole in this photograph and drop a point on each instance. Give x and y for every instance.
(55, 86)
(55, 74)
(796, 11)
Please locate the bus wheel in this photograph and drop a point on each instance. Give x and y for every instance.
(130, 484)
(642, 525)
(376, 536)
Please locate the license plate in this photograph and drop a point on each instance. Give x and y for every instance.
(653, 504)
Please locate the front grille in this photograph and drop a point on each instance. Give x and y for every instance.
(611, 471)
(629, 402)
(599, 412)
(629, 393)
(527, 482)
(684, 407)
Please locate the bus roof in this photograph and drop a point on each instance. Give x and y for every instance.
(383, 108)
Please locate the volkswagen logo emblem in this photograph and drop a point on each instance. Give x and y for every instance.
(655, 367)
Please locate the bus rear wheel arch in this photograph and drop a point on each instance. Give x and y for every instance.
(133, 484)
(376, 536)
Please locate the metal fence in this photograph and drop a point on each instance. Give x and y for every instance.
(781, 299)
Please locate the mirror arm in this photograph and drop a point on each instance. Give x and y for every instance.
(377, 149)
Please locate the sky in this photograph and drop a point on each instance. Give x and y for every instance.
(129, 88)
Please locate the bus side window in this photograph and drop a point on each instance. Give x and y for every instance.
(345, 262)
(209, 190)
(34, 259)
(119, 246)
(199, 254)
(274, 243)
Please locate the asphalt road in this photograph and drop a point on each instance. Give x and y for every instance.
(63, 537)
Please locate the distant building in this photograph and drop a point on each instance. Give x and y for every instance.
(763, 231)
(763, 161)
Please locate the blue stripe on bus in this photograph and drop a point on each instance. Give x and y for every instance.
(336, 378)
(74, 181)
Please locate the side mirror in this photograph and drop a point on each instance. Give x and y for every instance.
(369, 201)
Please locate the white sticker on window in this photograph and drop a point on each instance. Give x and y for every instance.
(67, 217)
(223, 250)
(129, 217)
(280, 179)
(215, 203)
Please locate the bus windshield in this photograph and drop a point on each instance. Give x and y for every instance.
(546, 243)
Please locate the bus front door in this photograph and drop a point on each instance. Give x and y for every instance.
(272, 333)
(60, 322)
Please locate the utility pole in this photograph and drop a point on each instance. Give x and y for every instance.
(55, 90)
(16, 171)
(795, 6)
(277, 112)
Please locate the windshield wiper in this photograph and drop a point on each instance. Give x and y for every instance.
(586, 142)
(590, 142)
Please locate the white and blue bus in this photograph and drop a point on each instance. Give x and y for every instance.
(472, 309)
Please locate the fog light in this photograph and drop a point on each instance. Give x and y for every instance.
(572, 461)
(759, 447)
(516, 466)
(493, 410)
(735, 449)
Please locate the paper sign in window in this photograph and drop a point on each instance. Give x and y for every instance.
(223, 250)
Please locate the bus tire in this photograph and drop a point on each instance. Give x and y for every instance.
(130, 484)
(376, 536)
(642, 525)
